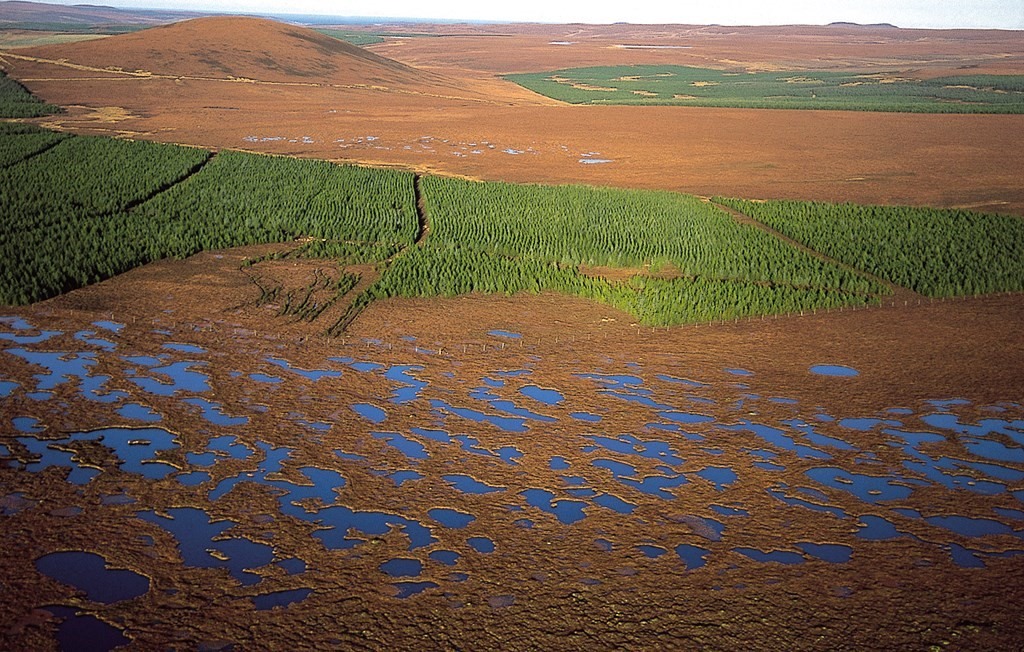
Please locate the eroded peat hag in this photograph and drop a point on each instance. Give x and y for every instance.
(460, 476)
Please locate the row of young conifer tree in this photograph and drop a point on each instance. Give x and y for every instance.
(80, 209)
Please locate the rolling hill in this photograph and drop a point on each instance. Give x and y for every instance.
(17, 13)
(241, 47)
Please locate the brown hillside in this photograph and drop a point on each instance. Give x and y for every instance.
(250, 48)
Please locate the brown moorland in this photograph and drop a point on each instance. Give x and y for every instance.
(646, 566)
(611, 579)
(453, 115)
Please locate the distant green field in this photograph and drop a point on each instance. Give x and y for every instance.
(355, 38)
(369, 38)
(867, 91)
(74, 28)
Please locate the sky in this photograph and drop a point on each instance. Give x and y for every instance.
(1000, 14)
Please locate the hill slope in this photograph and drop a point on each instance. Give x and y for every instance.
(252, 48)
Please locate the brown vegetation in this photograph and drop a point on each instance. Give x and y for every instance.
(304, 84)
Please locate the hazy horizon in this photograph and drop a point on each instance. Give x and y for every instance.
(948, 14)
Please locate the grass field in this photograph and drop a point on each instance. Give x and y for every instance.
(689, 86)
(361, 38)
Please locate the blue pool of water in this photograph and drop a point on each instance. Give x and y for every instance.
(506, 334)
(994, 450)
(292, 566)
(136, 449)
(139, 412)
(339, 520)
(184, 348)
(876, 528)
(198, 535)
(776, 556)
(542, 395)
(401, 477)
(61, 366)
(614, 381)
(558, 463)
(84, 632)
(451, 518)
(729, 511)
(739, 372)
(201, 459)
(433, 434)
(370, 412)
(686, 418)
(566, 511)
(26, 424)
(469, 485)
(512, 373)
(509, 407)
(651, 552)
(111, 326)
(833, 553)
(193, 478)
(972, 527)
(964, 557)
(280, 599)
(229, 445)
(630, 445)
(481, 544)
(508, 424)
(409, 589)
(834, 370)
(214, 412)
(778, 438)
(816, 438)
(618, 469)
(411, 448)
(265, 378)
(410, 387)
(869, 488)
(720, 476)
(779, 493)
(446, 557)
(692, 556)
(309, 374)
(614, 503)
(88, 572)
(7, 387)
(402, 567)
(28, 339)
(90, 338)
(863, 424)
(183, 378)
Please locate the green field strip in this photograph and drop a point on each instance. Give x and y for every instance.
(824, 90)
